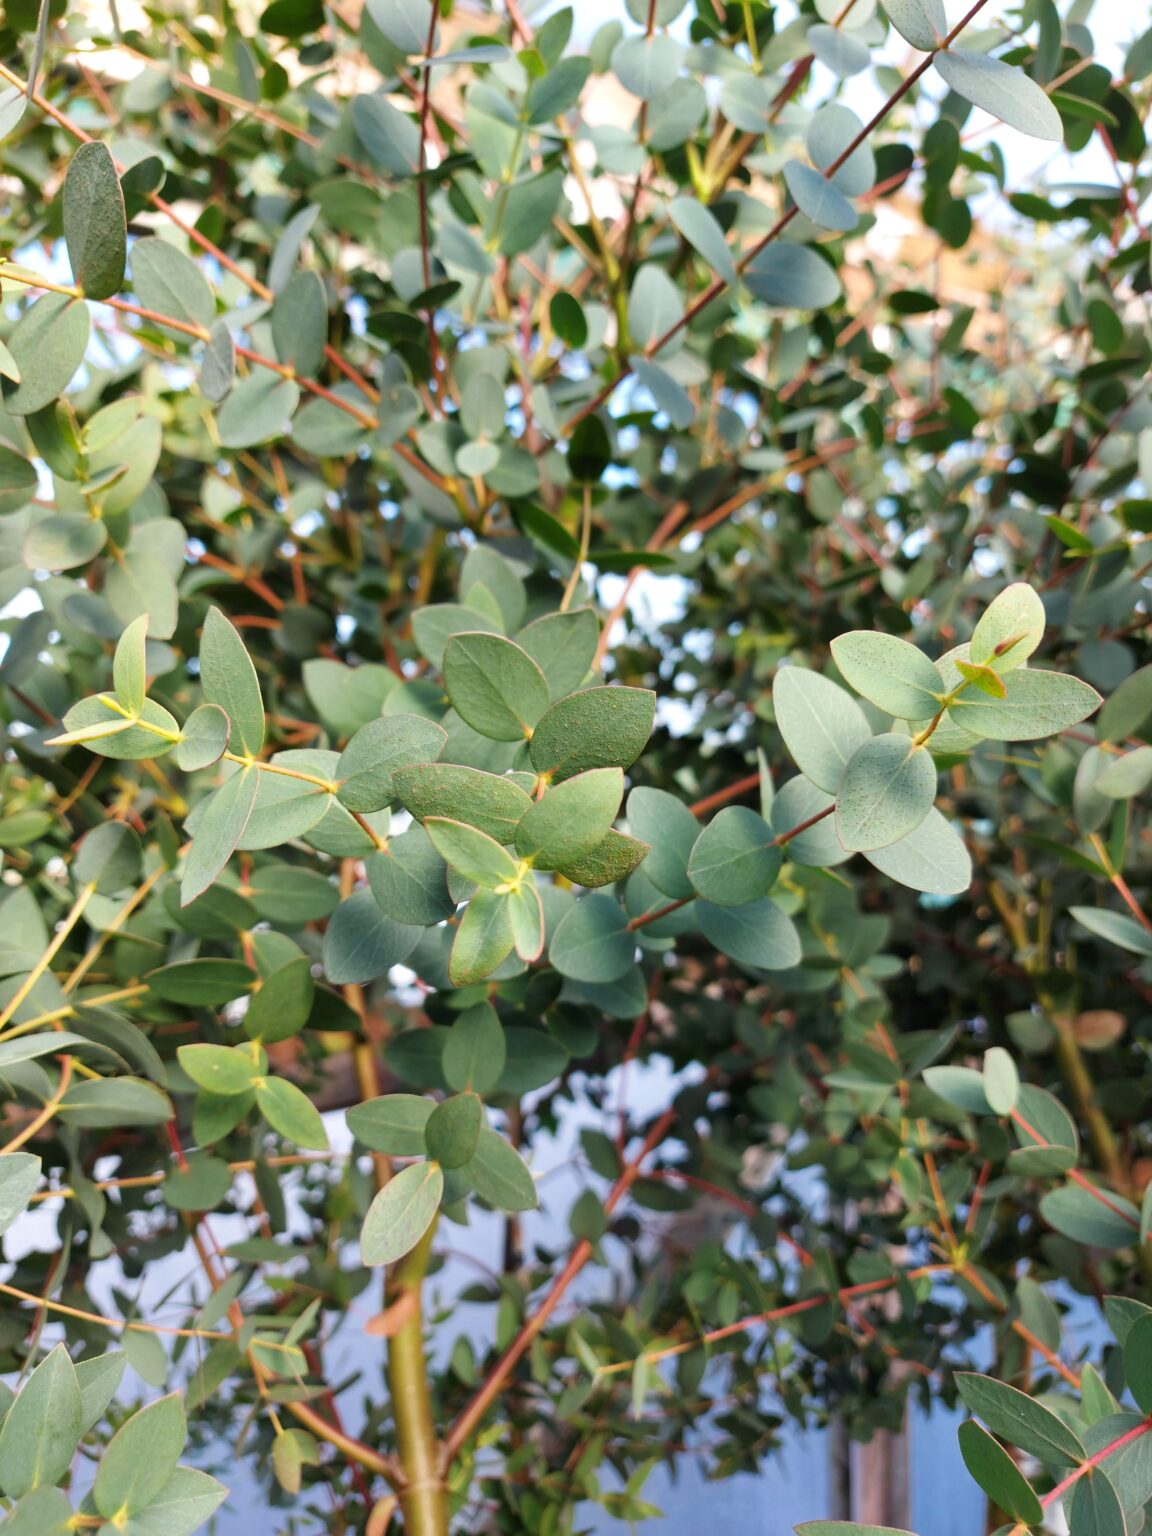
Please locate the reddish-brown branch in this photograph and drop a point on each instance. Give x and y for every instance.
(845, 1297)
(252, 283)
(491, 1388)
(777, 842)
(714, 291)
(658, 912)
(745, 1207)
(238, 574)
(786, 837)
(722, 796)
(1094, 1461)
(1076, 1176)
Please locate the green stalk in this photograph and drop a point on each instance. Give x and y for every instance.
(423, 1498)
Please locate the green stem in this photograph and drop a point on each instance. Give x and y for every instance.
(585, 540)
(26, 987)
(423, 1498)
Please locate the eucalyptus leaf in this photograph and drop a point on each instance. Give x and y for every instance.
(258, 408)
(895, 676)
(1001, 1081)
(563, 646)
(229, 680)
(407, 24)
(370, 759)
(664, 822)
(472, 853)
(171, 285)
(109, 858)
(204, 738)
(998, 1475)
(484, 938)
(300, 323)
(647, 65)
(218, 365)
(1002, 89)
(1095, 1506)
(59, 543)
(393, 1124)
(1103, 1221)
(42, 1428)
(788, 276)
(923, 23)
(94, 222)
(361, 942)
(291, 1112)
(821, 724)
(1021, 1420)
(390, 137)
(818, 198)
(735, 859)
(495, 686)
(453, 1130)
(218, 832)
(47, 346)
(931, 858)
(19, 1176)
(1035, 704)
(757, 933)
(1115, 927)
(401, 1213)
(140, 1458)
(475, 1051)
(592, 942)
(500, 1176)
(490, 802)
(699, 227)
(886, 792)
(596, 728)
(409, 879)
(129, 665)
(1010, 629)
(571, 818)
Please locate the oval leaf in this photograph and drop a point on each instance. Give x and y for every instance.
(401, 1213)
(886, 792)
(95, 230)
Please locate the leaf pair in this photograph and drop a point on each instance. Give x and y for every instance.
(568, 829)
(232, 1071)
(232, 719)
(988, 691)
(885, 785)
(124, 724)
(494, 923)
(138, 1472)
(497, 687)
(406, 1207)
(505, 911)
(570, 823)
(127, 724)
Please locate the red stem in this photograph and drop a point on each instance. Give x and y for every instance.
(718, 287)
(1094, 1461)
(490, 1390)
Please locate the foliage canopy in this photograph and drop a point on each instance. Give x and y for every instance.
(363, 376)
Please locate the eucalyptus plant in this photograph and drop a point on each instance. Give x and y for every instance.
(362, 381)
